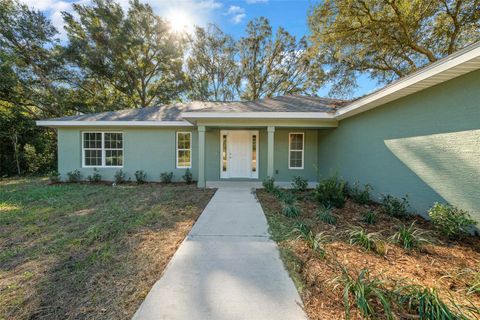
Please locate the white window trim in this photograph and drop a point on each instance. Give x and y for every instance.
(176, 148)
(103, 165)
(303, 150)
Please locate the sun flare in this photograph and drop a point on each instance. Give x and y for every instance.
(180, 21)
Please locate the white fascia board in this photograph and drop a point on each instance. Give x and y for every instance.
(47, 123)
(449, 62)
(258, 115)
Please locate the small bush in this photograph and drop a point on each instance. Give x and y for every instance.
(166, 177)
(424, 302)
(325, 215)
(188, 177)
(331, 192)
(301, 228)
(54, 177)
(140, 176)
(119, 176)
(286, 197)
(450, 221)
(74, 176)
(95, 177)
(315, 242)
(366, 292)
(369, 217)
(299, 184)
(410, 237)
(269, 184)
(359, 194)
(290, 210)
(395, 207)
(368, 241)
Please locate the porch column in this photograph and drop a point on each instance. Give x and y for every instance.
(201, 157)
(270, 150)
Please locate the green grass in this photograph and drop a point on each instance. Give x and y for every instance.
(79, 249)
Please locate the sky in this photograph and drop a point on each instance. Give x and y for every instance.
(231, 15)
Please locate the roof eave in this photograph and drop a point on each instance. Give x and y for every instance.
(79, 123)
(457, 64)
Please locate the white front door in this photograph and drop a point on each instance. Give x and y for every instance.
(239, 154)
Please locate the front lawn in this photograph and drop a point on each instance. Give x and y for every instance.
(327, 251)
(82, 251)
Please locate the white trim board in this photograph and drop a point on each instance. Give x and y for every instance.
(77, 123)
(257, 115)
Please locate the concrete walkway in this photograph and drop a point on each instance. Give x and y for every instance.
(227, 268)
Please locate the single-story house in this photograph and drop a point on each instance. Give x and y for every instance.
(418, 136)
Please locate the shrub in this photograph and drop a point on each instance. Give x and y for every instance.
(315, 242)
(368, 241)
(424, 302)
(74, 176)
(269, 184)
(166, 177)
(290, 210)
(410, 237)
(140, 176)
(299, 184)
(369, 217)
(450, 221)
(360, 195)
(54, 177)
(95, 177)
(366, 292)
(188, 177)
(331, 192)
(324, 213)
(395, 207)
(301, 228)
(286, 197)
(35, 161)
(119, 176)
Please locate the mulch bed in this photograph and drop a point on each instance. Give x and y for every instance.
(437, 265)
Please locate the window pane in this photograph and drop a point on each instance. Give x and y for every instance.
(92, 140)
(93, 157)
(296, 141)
(254, 153)
(224, 153)
(183, 140)
(113, 140)
(113, 157)
(296, 159)
(184, 158)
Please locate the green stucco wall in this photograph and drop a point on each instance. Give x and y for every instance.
(426, 145)
(149, 149)
(153, 150)
(282, 173)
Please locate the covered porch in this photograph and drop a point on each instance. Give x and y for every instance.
(249, 148)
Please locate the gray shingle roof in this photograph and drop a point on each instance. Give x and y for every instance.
(171, 112)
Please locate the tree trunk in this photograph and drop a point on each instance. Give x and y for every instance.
(16, 152)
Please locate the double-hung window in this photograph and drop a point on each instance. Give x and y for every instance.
(184, 149)
(295, 150)
(102, 149)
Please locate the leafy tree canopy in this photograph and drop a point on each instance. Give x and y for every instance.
(134, 52)
(276, 65)
(388, 38)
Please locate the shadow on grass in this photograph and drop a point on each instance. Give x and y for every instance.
(77, 251)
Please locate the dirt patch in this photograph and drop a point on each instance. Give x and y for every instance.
(443, 265)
